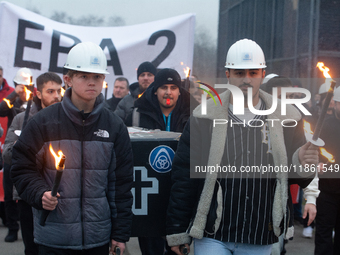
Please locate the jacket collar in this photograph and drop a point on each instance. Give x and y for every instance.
(77, 116)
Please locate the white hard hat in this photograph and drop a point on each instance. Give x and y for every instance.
(268, 77)
(245, 54)
(87, 57)
(336, 96)
(23, 76)
(324, 87)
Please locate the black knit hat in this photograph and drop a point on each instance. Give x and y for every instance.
(146, 67)
(166, 76)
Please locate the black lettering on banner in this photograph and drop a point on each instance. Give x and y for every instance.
(56, 49)
(168, 48)
(22, 43)
(114, 62)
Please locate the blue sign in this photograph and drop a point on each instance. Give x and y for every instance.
(160, 158)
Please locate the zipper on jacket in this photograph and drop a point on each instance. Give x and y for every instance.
(82, 184)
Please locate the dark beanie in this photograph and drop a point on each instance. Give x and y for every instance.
(146, 67)
(166, 76)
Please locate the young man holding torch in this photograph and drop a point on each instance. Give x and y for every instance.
(236, 211)
(48, 93)
(93, 204)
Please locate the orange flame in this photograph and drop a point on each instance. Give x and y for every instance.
(28, 93)
(182, 63)
(140, 95)
(62, 92)
(56, 158)
(104, 84)
(8, 103)
(327, 155)
(323, 69)
(186, 71)
(307, 127)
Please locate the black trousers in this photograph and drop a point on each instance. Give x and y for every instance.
(327, 219)
(26, 223)
(101, 250)
(11, 208)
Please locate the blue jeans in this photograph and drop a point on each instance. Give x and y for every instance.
(211, 246)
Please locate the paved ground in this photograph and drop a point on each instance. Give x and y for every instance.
(298, 246)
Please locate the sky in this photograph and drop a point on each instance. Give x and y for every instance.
(132, 11)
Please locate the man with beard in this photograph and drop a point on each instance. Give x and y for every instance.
(48, 93)
(236, 211)
(165, 105)
(145, 74)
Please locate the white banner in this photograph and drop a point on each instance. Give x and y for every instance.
(30, 40)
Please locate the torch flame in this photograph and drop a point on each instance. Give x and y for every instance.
(307, 127)
(104, 84)
(327, 155)
(186, 71)
(324, 69)
(62, 92)
(28, 93)
(140, 95)
(8, 103)
(56, 158)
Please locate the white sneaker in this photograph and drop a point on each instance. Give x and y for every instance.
(307, 232)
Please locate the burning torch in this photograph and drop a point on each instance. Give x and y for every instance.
(325, 105)
(105, 87)
(62, 92)
(60, 166)
(29, 98)
(187, 81)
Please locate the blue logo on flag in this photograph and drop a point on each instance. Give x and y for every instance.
(160, 158)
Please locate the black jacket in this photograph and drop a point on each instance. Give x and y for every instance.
(5, 111)
(329, 182)
(151, 116)
(95, 198)
(113, 102)
(125, 106)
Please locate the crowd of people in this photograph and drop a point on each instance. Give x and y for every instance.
(220, 212)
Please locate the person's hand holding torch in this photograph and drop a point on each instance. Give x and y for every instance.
(117, 248)
(49, 199)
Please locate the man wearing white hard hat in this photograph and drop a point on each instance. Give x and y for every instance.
(225, 209)
(16, 102)
(328, 216)
(93, 204)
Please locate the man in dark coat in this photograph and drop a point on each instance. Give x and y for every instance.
(120, 90)
(328, 202)
(165, 105)
(94, 200)
(145, 74)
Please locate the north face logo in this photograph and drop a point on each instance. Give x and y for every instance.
(102, 133)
